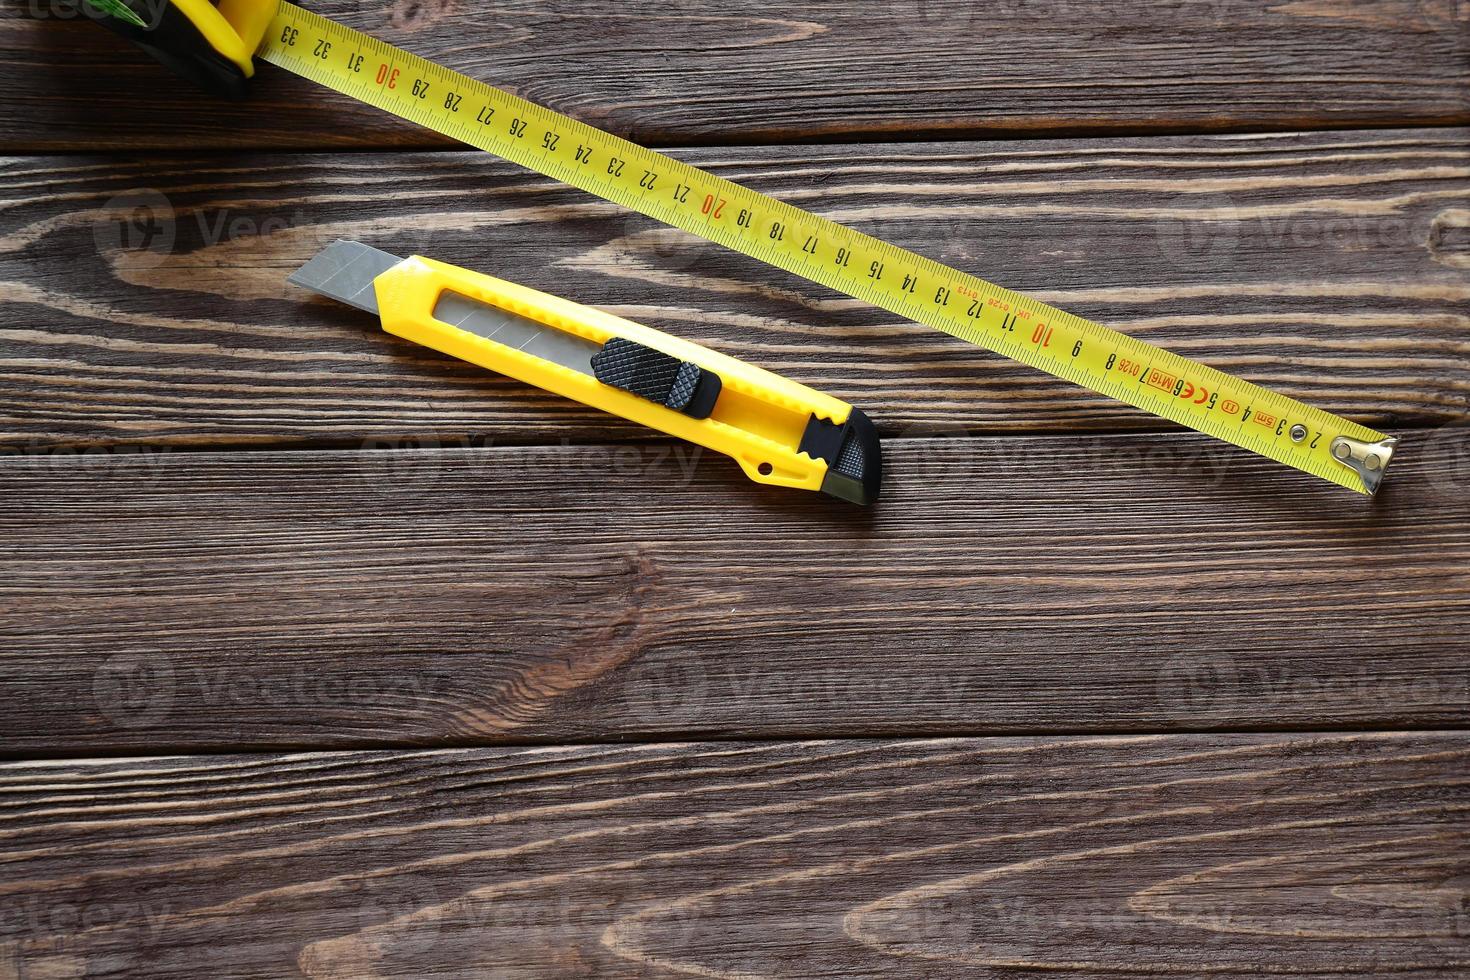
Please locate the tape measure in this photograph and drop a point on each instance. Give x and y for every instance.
(822, 251)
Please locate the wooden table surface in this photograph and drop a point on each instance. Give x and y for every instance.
(322, 654)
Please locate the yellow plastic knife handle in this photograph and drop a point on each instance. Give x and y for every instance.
(780, 432)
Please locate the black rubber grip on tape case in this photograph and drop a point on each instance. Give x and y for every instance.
(170, 37)
(680, 385)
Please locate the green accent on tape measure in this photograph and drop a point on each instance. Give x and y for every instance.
(118, 9)
(814, 248)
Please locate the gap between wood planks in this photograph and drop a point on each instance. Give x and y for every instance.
(696, 739)
(432, 143)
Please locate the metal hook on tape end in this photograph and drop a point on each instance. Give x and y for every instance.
(1368, 459)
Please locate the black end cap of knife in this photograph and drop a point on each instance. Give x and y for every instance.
(854, 457)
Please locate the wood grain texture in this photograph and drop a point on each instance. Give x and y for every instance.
(695, 73)
(1175, 857)
(144, 301)
(200, 600)
(450, 570)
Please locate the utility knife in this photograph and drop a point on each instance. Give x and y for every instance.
(780, 432)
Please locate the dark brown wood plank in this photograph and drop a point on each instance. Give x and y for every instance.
(693, 73)
(1181, 857)
(157, 600)
(1334, 267)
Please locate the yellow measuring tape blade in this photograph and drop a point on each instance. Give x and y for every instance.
(825, 252)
